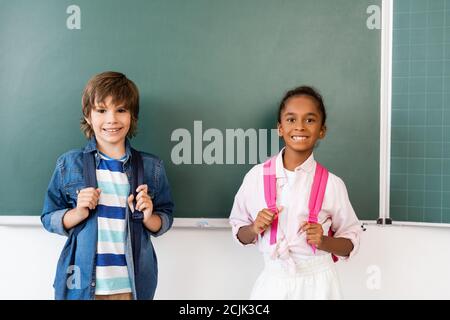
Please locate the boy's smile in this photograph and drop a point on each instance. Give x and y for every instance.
(112, 131)
(301, 125)
(110, 123)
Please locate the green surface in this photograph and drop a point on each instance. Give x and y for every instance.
(420, 165)
(225, 63)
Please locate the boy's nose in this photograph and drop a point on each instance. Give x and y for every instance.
(111, 117)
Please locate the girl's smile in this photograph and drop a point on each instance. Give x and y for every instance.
(299, 138)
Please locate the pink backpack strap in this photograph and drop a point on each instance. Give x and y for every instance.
(317, 193)
(270, 194)
(316, 198)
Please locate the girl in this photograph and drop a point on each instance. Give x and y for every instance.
(298, 264)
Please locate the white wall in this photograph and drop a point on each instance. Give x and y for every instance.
(208, 264)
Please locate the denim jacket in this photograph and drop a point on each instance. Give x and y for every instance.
(75, 274)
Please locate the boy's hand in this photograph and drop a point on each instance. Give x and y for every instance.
(143, 201)
(263, 220)
(314, 233)
(87, 199)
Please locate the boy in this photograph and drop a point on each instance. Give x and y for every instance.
(97, 260)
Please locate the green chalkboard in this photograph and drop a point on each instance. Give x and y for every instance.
(215, 64)
(420, 139)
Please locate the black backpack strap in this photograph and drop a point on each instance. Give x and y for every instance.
(136, 217)
(137, 178)
(90, 180)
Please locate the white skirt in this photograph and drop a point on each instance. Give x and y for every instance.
(313, 279)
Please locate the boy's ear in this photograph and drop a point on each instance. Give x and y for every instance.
(87, 120)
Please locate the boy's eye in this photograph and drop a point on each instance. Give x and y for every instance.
(122, 110)
(100, 110)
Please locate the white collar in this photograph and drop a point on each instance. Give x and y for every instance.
(307, 166)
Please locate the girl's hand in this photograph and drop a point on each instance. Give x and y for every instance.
(87, 198)
(143, 201)
(314, 233)
(263, 220)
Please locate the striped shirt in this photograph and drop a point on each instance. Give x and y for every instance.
(111, 269)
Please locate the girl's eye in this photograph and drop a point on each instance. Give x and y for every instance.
(290, 120)
(310, 120)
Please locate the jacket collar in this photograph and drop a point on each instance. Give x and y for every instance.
(91, 146)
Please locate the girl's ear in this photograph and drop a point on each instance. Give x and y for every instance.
(279, 129)
(323, 132)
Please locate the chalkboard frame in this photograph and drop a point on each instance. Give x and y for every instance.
(200, 219)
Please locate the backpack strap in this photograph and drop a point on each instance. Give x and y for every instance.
(316, 199)
(316, 196)
(270, 194)
(90, 181)
(90, 178)
(136, 217)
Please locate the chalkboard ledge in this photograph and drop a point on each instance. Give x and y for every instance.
(35, 221)
(20, 221)
(202, 223)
